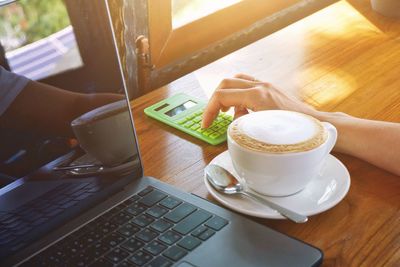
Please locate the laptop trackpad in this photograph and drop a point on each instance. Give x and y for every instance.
(25, 193)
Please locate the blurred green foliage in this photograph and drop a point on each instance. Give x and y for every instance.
(43, 17)
(38, 19)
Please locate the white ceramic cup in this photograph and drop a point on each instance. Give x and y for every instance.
(280, 174)
(106, 133)
(389, 8)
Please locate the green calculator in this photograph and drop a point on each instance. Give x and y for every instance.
(185, 113)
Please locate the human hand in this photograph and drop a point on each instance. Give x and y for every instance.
(244, 93)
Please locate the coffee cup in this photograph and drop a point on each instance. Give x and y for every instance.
(278, 152)
(106, 133)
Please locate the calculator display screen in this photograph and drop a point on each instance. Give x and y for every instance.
(181, 108)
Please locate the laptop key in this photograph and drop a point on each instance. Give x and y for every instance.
(106, 228)
(189, 243)
(81, 260)
(156, 211)
(78, 244)
(102, 262)
(201, 229)
(140, 258)
(87, 239)
(206, 235)
(170, 202)
(132, 245)
(161, 225)
(126, 264)
(175, 253)
(97, 250)
(129, 201)
(152, 198)
(135, 209)
(59, 254)
(160, 262)
(180, 212)
(192, 221)
(143, 220)
(146, 235)
(155, 248)
(145, 191)
(113, 239)
(121, 218)
(117, 255)
(128, 230)
(170, 237)
(217, 223)
(92, 236)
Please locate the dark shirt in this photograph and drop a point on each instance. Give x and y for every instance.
(11, 85)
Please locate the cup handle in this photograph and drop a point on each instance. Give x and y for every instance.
(332, 136)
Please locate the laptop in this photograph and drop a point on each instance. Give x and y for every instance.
(70, 212)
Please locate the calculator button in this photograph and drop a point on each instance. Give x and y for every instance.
(198, 112)
(188, 124)
(208, 132)
(222, 131)
(226, 116)
(213, 125)
(195, 127)
(182, 121)
(214, 135)
(197, 119)
(224, 123)
(219, 119)
(200, 130)
(191, 116)
(215, 128)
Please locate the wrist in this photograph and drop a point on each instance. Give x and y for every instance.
(331, 117)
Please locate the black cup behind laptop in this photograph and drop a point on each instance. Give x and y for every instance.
(105, 133)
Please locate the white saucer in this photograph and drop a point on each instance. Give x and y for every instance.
(321, 194)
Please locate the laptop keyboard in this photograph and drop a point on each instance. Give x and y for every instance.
(15, 225)
(149, 229)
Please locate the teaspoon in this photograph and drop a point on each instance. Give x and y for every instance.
(224, 182)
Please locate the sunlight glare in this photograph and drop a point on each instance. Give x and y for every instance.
(184, 11)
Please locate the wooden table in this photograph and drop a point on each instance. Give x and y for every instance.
(340, 59)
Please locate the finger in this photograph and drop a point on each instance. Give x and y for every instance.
(239, 111)
(225, 109)
(236, 83)
(225, 98)
(246, 77)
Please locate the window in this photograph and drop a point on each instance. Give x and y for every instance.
(38, 39)
(159, 43)
(65, 43)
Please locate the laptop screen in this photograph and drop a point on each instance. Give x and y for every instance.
(66, 143)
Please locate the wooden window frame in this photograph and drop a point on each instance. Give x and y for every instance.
(154, 54)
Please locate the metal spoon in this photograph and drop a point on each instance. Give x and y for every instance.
(224, 182)
(75, 167)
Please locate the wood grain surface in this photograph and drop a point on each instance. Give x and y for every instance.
(343, 58)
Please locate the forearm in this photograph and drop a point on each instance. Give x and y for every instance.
(50, 110)
(376, 142)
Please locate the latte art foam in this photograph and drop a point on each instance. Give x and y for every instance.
(278, 131)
